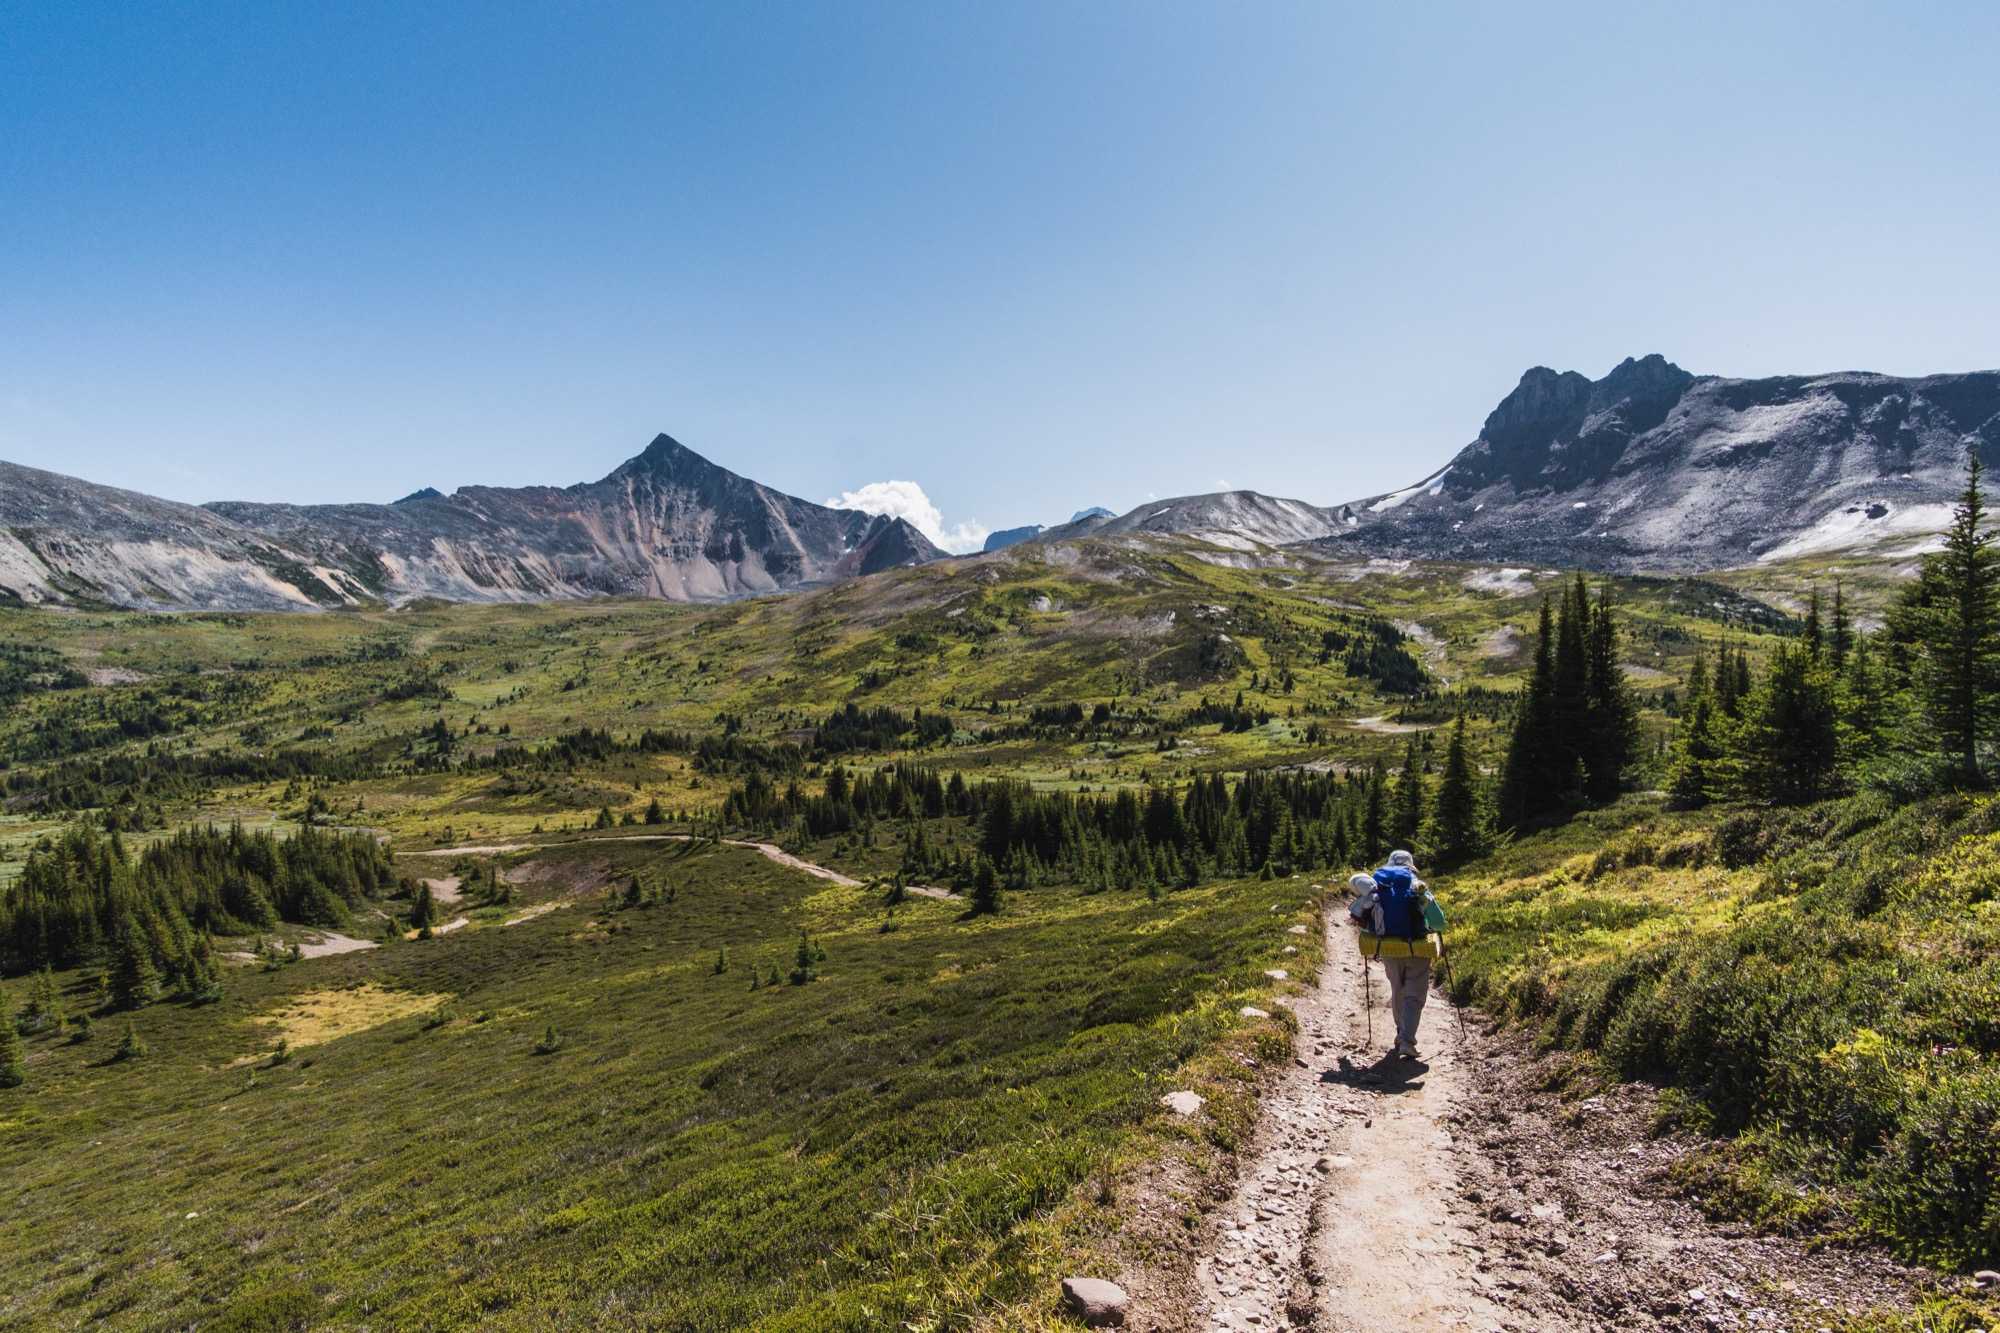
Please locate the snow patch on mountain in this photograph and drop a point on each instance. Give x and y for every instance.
(1862, 524)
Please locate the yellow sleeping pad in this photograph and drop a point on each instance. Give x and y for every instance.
(1389, 946)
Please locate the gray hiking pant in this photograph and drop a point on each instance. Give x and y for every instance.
(1409, 986)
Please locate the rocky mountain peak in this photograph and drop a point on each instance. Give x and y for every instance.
(1649, 374)
(667, 459)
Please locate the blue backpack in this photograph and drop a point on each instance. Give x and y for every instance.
(1401, 901)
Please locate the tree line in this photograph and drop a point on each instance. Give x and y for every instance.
(1912, 707)
(84, 898)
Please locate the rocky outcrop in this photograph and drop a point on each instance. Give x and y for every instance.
(667, 524)
(1652, 467)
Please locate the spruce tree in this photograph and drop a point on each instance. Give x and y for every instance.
(1815, 634)
(1457, 829)
(1611, 736)
(1524, 779)
(1375, 815)
(1959, 634)
(985, 887)
(1692, 774)
(1728, 687)
(1407, 809)
(1569, 740)
(129, 1046)
(135, 983)
(1789, 747)
(423, 912)
(1841, 641)
(13, 1055)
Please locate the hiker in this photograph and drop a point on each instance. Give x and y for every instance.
(1397, 907)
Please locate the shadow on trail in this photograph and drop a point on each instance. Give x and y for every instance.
(1389, 1074)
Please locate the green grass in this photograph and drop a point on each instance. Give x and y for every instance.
(901, 1140)
(1824, 983)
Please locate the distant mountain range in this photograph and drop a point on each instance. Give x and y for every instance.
(1648, 467)
(666, 524)
(1006, 537)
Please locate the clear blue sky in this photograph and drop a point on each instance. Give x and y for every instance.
(1030, 256)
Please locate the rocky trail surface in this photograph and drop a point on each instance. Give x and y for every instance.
(1460, 1191)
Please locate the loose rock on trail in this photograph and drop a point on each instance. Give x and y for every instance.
(1460, 1192)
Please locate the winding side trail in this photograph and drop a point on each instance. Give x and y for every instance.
(770, 850)
(1462, 1192)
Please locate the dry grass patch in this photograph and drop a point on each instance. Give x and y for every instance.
(328, 1015)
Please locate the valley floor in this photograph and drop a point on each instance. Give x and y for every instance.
(1466, 1191)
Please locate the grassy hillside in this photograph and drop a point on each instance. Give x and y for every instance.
(1823, 983)
(376, 713)
(900, 1137)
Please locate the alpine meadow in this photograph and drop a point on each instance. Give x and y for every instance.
(1546, 878)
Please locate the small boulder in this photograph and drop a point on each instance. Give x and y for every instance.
(1986, 1279)
(1099, 1304)
(1252, 1011)
(1183, 1102)
(1277, 974)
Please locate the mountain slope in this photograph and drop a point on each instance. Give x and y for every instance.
(667, 524)
(1226, 518)
(1653, 466)
(70, 542)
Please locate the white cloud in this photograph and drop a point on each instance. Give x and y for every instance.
(906, 500)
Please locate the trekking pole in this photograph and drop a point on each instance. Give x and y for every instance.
(1368, 1001)
(1445, 959)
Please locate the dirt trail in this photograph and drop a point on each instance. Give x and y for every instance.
(770, 850)
(1460, 1192)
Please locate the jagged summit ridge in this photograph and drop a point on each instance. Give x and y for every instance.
(667, 523)
(1654, 466)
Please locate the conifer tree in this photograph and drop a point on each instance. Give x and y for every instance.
(1692, 774)
(1789, 748)
(423, 912)
(1959, 633)
(1458, 831)
(1569, 740)
(1407, 808)
(654, 814)
(1375, 815)
(1864, 701)
(1729, 687)
(1611, 736)
(1815, 634)
(134, 981)
(13, 1055)
(985, 887)
(1532, 762)
(1841, 641)
(130, 1047)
